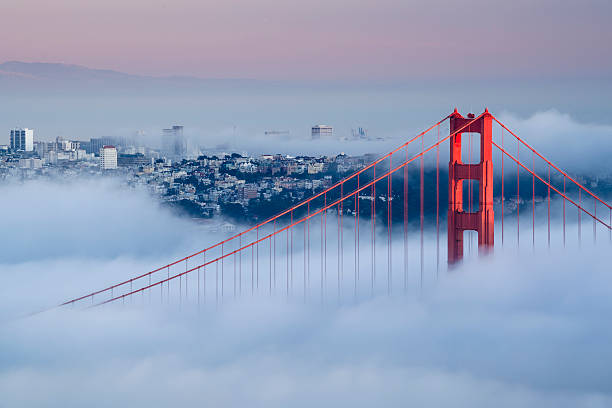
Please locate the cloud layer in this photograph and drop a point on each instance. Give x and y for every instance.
(504, 331)
(573, 145)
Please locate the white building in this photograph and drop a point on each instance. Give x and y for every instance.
(22, 140)
(314, 168)
(108, 158)
(321, 130)
(30, 163)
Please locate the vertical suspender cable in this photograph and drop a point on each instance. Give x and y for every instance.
(274, 256)
(518, 195)
(257, 249)
(324, 245)
(308, 243)
(322, 260)
(204, 280)
(389, 220)
(222, 273)
(502, 188)
(358, 227)
(305, 254)
(422, 208)
(355, 244)
(270, 262)
(291, 254)
(549, 206)
(287, 254)
(339, 248)
(533, 201)
(579, 215)
(234, 280)
(373, 236)
(594, 222)
(406, 222)
(438, 203)
(341, 240)
(563, 211)
(217, 282)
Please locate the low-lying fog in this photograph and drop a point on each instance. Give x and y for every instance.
(514, 329)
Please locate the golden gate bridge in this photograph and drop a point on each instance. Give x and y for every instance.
(330, 241)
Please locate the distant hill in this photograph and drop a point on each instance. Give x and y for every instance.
(45, 76)
(44, 70)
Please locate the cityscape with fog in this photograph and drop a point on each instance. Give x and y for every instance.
(329, 203)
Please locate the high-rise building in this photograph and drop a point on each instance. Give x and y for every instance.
(22, 140)
(174, 143)
(108, 158)
(360, 133)
(96, 144)
(321, 130)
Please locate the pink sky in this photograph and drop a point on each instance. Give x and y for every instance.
(316, 39)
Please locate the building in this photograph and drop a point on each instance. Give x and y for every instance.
(360, 133)
(132, 160)
(30, 163)
(316, 167)
(248, 191)
(42, 148)
(66, 145)
(95, 145)
(321, 131)
(22, 140)
(108, 158)
(174, 143)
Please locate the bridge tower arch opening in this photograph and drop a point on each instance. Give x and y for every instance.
(459, 220)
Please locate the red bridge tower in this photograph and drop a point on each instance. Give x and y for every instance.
(458, 219)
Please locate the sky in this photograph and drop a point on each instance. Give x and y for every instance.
(319, 39)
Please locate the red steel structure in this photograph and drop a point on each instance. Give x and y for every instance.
(460, 220)
(345, 197)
